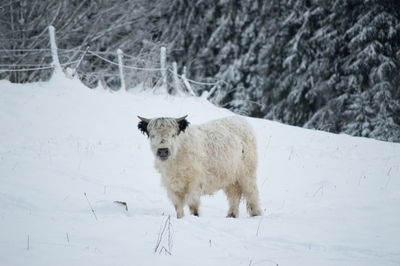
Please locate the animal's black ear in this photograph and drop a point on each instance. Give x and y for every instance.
(182, 123)
(142, 125)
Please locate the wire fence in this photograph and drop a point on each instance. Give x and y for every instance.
(114, 70)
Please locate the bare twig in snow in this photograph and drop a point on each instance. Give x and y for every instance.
(259, 223)
(266, 147)
(166, 230)
(320, 189)
(389, 178)
(290, 155)
(265, 153)
(388, 172)
(90, 205)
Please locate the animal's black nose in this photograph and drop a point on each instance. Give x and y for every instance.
(163, 153)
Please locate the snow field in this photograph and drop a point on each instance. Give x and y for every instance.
(328, 199)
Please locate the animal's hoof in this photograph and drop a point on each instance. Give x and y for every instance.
(231, 215)
(195, 212)
(253, 211)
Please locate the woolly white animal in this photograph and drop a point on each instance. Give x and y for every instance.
(198, 160)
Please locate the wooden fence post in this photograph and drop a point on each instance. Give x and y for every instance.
(186, 82)
(163, 64)
(177, 84)
(54, 53)
(121, 70)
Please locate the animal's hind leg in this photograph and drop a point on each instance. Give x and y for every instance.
(193, 201)
(250, 192)
(194, 208)
(233, 193)
(193, 198)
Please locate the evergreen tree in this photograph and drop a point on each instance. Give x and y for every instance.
(328, 65)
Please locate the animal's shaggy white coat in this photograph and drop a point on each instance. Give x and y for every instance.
(220, 154)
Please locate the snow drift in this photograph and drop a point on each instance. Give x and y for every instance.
(67, 153)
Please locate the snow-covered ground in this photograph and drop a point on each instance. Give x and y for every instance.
(65, 149)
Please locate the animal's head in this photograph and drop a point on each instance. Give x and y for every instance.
(163, 133)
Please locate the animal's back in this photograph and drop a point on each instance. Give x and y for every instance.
(225, 149)
(233, 135)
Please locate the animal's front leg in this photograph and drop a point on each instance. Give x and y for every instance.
(179, 210)
(178, 200)
(193, 198)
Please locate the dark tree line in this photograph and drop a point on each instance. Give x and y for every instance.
(329, 65)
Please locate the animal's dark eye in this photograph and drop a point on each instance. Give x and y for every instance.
(173, 135)
(151, 136)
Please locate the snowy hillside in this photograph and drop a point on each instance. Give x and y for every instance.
(65, 150)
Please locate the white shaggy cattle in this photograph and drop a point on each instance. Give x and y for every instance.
(198, 160)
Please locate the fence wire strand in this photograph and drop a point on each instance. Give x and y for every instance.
(98, 54)
(125, 66)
